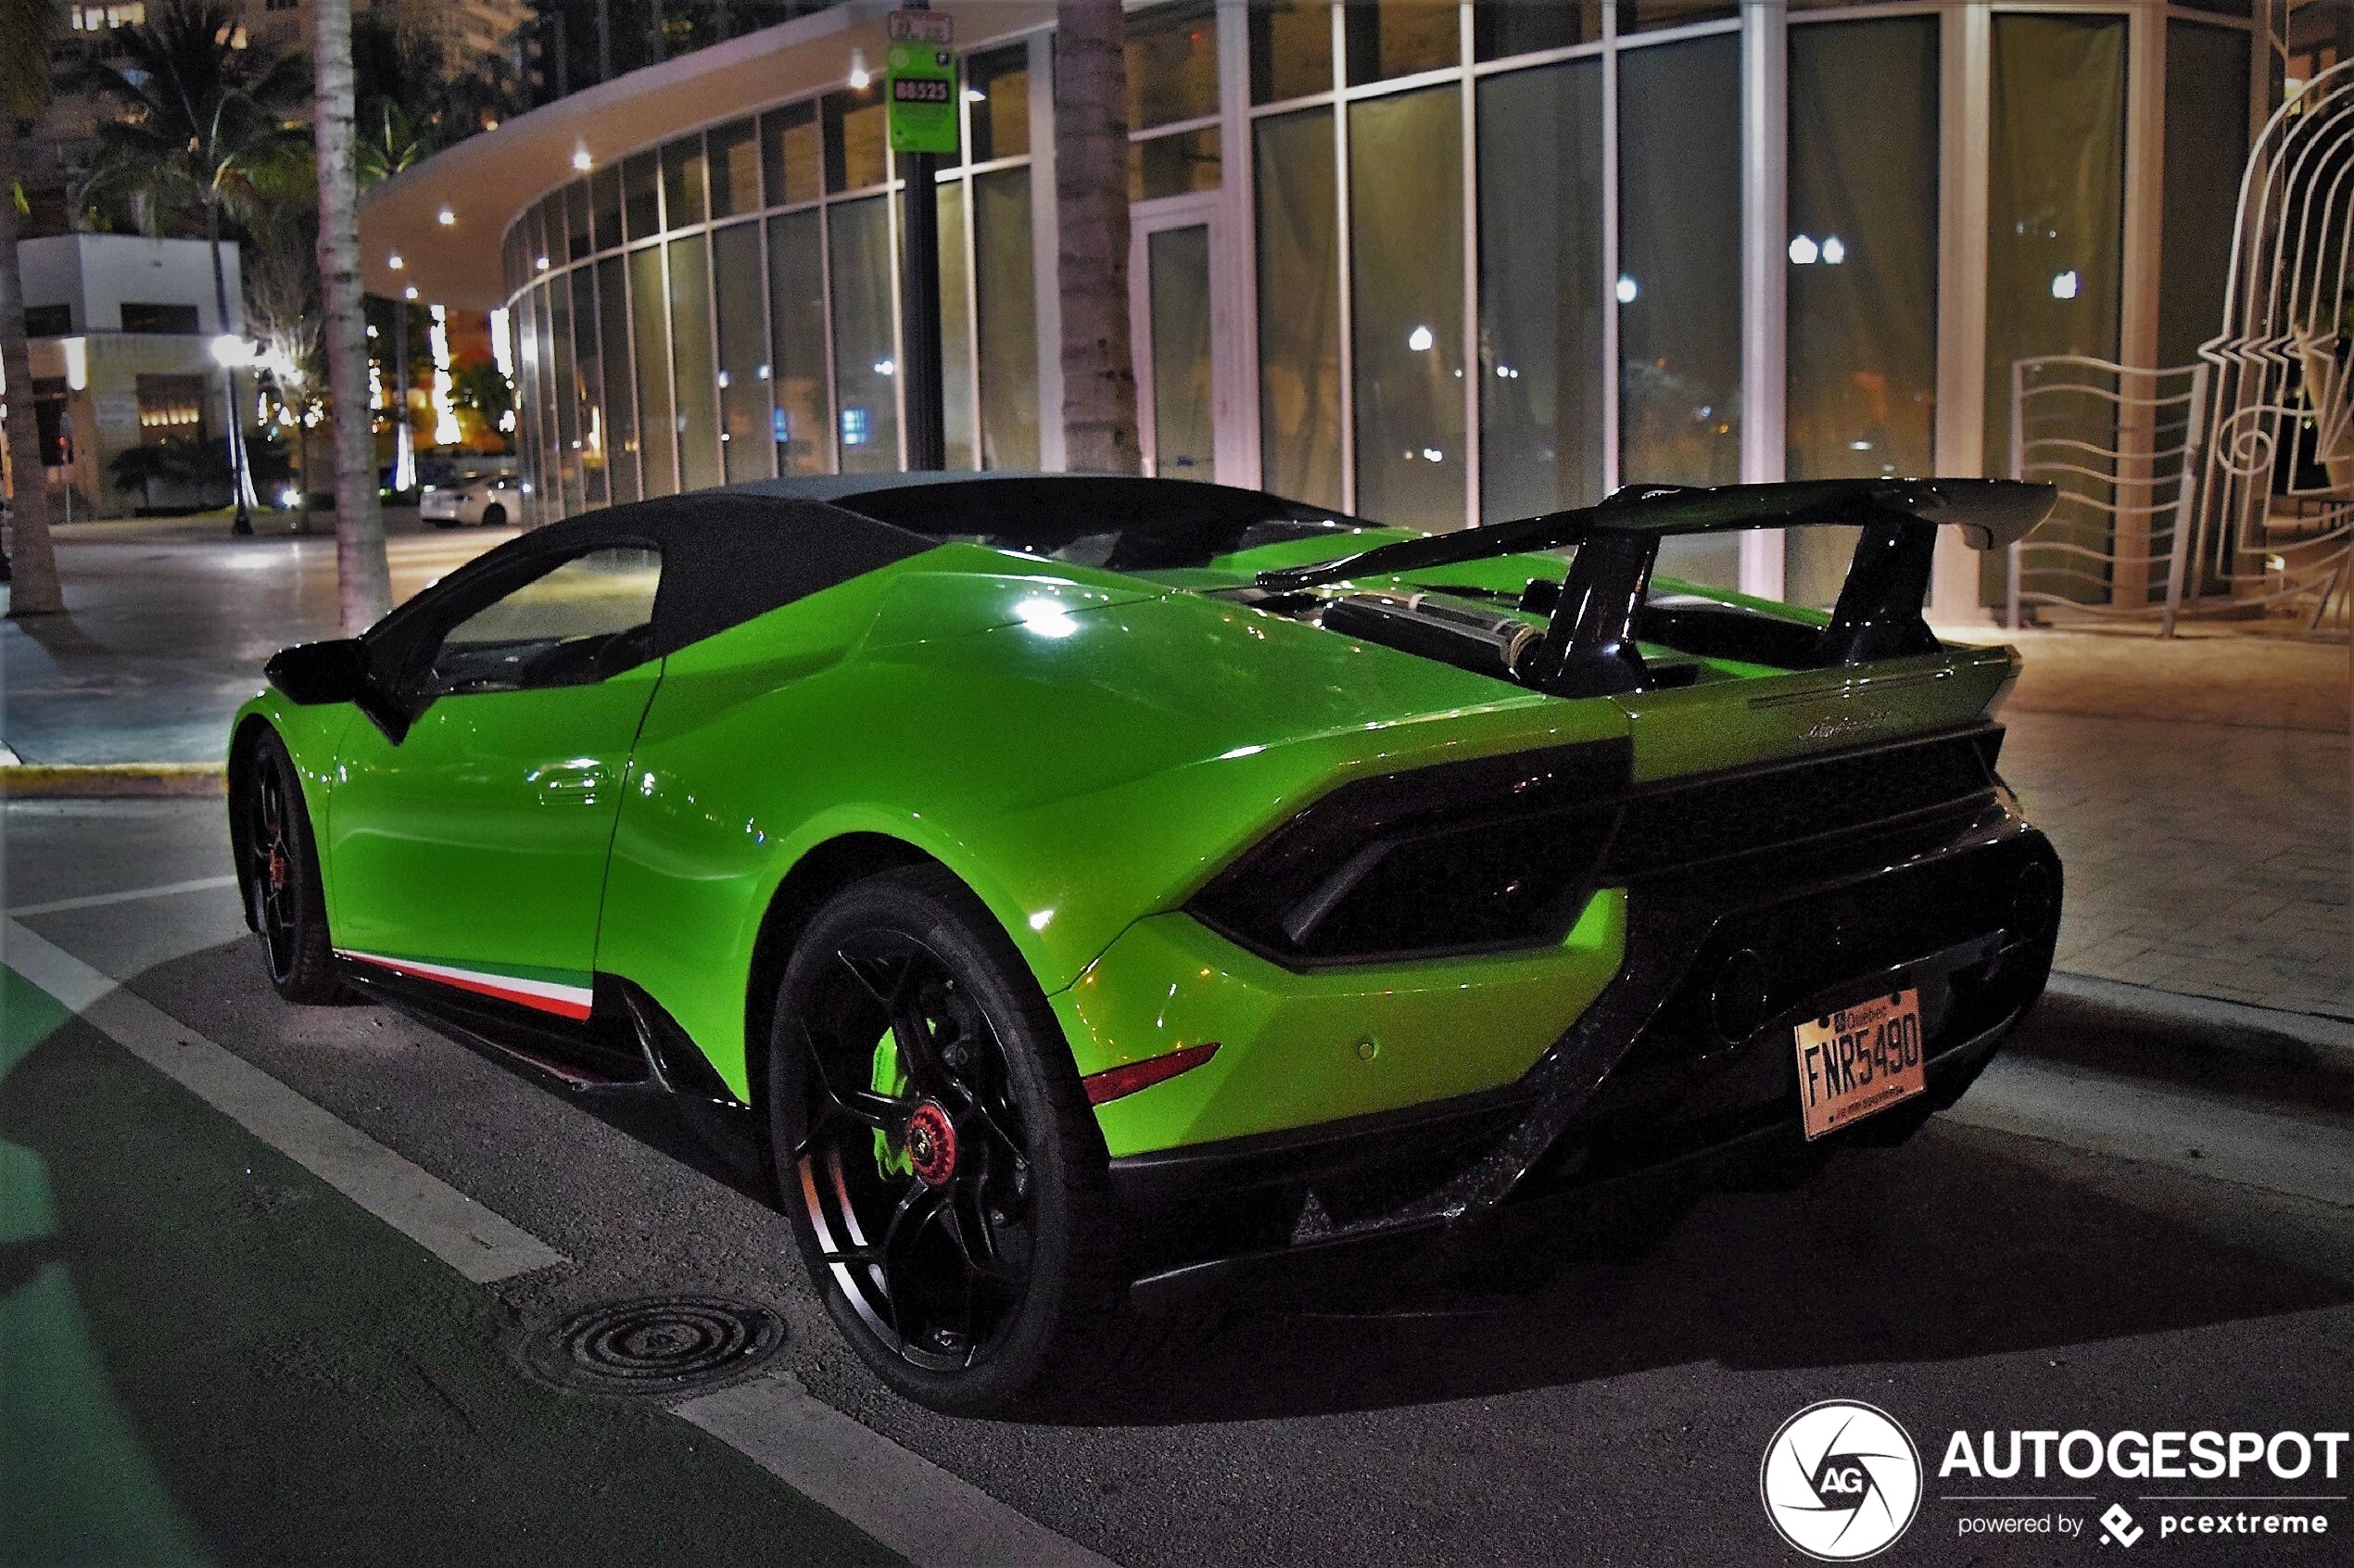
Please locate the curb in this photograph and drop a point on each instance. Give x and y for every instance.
(52, 781)
(2195, 1042)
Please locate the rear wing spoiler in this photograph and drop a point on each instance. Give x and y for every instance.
(1588, 647)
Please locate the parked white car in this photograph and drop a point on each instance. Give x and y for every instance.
(484, 499)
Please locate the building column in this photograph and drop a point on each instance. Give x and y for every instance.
(1765, 275)
(1045, 252)
(1966, 83)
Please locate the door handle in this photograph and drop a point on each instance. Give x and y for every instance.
(575, 783)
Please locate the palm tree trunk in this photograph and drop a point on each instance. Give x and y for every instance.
(33, 563)
(365, 582)
(1090, 196)
(240, 477)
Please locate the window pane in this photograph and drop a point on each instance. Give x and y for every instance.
(1172, 64)
(577, 221)
(737, 288)
(789, 154)
(797, 327)
(1291, 49)
(1641, 16)
(657, 437)
(565, 395)
(735, 169)
(553, 455)
(2054, 243)
(1003, 274)
(1405, 195)
(1001, 115)
(1862, 269)
(1515, 27)
(857, 154)
(956, 329)
(698, 379)
(589, 366)
(1184, 440)
(1299, 306)
(604, 198)
(1172, 165)
(682, 167)
(1679, 283)
(641, 195)
(865, 357)
(1541, 245)
(515, 644)
(621, 402)
(1390, 38)
(2206, 149)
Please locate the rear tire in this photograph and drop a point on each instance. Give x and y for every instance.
(285, 902)
(494, 516)
(975, 1270)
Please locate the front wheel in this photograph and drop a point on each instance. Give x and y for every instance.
(936, 1154)
(494, 516)
(285, 902)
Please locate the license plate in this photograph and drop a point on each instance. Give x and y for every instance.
(1856, 1060)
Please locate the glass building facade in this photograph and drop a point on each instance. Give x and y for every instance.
(1431, 262)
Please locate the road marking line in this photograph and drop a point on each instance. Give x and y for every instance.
(482, 1245)
(132, 895)
(923, 1512)
(2129, 1119)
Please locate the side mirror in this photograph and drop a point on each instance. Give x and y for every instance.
(314, 673)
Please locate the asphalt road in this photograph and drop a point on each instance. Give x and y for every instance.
(209, 1353)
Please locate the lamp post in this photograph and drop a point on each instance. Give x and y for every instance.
(231, 351)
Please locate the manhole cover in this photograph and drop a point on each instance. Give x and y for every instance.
(660, 1345)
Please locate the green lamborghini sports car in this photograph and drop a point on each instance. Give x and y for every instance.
(1079, 900)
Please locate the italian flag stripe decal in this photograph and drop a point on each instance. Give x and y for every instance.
(547, 997)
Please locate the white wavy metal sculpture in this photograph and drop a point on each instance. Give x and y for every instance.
(2269, 530)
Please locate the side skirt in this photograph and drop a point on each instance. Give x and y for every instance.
(628, 1063)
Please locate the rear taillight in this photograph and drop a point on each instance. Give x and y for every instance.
(1490, 854)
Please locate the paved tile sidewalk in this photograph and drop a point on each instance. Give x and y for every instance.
(2198, 791)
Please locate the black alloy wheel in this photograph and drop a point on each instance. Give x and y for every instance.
(936, 1154)
(285, 902)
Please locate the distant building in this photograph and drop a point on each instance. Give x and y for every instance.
(121, 330)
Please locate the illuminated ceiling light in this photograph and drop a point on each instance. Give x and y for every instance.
(395, 263)
(2066, 285)
(445, 218)
(858, 75)
(543, 263)
(1834, 250)
(409, 293)
(1627, 290)
(1420, 340)
(581, 159)
(1803, 252)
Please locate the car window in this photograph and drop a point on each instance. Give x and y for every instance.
(575, 625)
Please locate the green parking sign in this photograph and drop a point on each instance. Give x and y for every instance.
(919, 85)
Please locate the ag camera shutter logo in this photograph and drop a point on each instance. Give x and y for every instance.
(1842, 1480)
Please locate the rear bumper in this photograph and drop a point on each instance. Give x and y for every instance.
(1642, 1082)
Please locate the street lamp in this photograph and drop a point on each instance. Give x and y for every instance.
(232, 351)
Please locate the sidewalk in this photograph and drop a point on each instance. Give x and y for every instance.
(169, 623)
(2197, 789)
